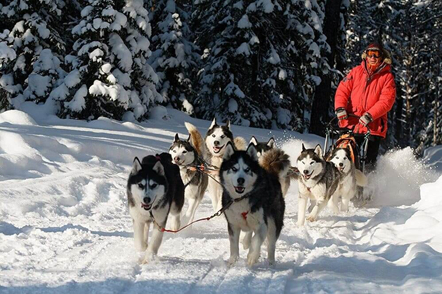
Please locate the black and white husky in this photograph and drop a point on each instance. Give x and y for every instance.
(188, 153)
(216, 141)
(274, 160)
(351, 177)
(263, 147)
(318, 181)
(252, 200)
(154, 189)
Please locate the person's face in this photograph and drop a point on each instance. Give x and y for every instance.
(373, 57)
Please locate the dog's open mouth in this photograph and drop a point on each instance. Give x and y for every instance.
(217, 149)
(307, 176)
(341, 169)
(146, 206)
(239, 189)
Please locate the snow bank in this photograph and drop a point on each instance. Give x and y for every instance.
(17, 117)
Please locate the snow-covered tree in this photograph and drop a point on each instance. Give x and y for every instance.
(175, 58)
(261, 61)
(28, 29)
(109, 74)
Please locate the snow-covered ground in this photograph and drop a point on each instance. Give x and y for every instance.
(65, 227)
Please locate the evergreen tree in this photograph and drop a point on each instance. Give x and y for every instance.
(261, 61)
(109, 73)
(28, 29)
(175, 58)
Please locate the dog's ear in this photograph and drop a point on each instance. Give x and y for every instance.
(229, 151)
(251, 151)
(177, 138)
(158, 168)
(213, 123)
(136, 166)
(189, 139)
(228, 124)
(318, 150)
(253, 141)
(271, 142)
(303, 147)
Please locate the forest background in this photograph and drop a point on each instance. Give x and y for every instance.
(264, 63)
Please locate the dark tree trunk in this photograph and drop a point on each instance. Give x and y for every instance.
(323, 94)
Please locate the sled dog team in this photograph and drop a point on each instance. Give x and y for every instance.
(246, 182)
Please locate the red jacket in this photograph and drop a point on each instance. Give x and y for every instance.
(360, 92)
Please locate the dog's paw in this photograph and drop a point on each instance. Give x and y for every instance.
(232, 260)
(252, 258)
(311, 218)
(148, 257)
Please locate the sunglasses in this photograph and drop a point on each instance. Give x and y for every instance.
(373, 54)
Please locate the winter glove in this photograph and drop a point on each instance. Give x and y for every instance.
(365, 119)
(341, 113)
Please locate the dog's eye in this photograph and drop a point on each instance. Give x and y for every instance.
(311, 163)
(141, 186)
(222, 136)
(234, 169)
(174, 151)
(247, 170)
(153, 186)
(213, 135)
(184, 152)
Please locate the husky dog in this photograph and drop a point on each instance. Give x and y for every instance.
(318, 180)
(215, 141)
(274, 161)
(351, 177)
(185, 154)
(252, 200)
(154, 189)
(262, 147)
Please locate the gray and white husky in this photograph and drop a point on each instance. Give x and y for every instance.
(188, 153)
(216, 141)
(351, 177)
(274, 160)
(154, 189)
(318, 181)
(253, 201)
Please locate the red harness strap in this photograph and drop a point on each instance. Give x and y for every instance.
(244, 215)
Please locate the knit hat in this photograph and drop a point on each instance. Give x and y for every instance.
(374, 46)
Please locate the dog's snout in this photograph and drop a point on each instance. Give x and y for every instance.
(240, 181)
(216, 143)
(146, 199)
(305, 172)
(341, 164)
(176, 158)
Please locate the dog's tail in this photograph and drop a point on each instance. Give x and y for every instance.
(275, 161)
(196, 140)
(240, 143)
(361, 179)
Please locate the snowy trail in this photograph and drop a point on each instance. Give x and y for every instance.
(65, 227)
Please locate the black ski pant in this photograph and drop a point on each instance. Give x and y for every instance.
(372, 151)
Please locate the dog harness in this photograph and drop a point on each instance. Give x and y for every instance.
(348, 141)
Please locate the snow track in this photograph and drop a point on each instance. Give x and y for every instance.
(65, 227)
